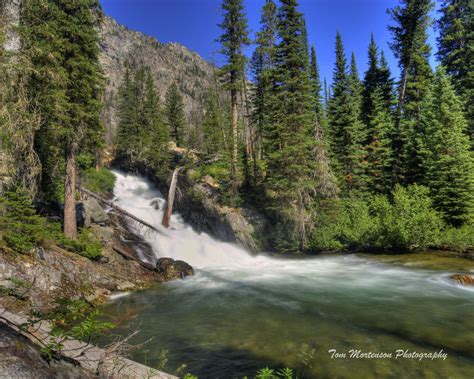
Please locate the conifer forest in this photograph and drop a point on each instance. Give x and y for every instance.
(250, 214)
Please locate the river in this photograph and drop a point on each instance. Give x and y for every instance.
(325, 317)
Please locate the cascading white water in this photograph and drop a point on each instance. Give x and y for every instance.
(242, 312)
(179, 241)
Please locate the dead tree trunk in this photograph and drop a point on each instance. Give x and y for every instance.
(70, 227)
(170, 200)
(121, 211)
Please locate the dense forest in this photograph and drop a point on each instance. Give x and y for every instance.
(372, 162)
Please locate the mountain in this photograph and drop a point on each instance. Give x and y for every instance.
(169, 62)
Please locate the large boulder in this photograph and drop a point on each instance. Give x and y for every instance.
(171, 269)
(89, 211)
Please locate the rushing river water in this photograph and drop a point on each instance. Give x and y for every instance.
(240, 313)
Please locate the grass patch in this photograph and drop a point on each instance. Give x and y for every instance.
(101, 181)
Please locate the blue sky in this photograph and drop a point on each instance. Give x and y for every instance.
(193, 23)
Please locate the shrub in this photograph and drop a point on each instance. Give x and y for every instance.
(86, 244)
(458, 239)
(101, 181)
(23, 229)
(413, 223)
(408, 221)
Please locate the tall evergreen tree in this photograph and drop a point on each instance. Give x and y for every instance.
(456, 50)
(346, 129)
(233, 40)
(316, 85)
(214, 130)
(379, 148)
(291, 183)
(410, 47)
(448, 161)
(263, 61)
(175, 116)
(156, 134)
(67, 85)
(127, 128)
(356, 158)
(386, 83)
(371, 79)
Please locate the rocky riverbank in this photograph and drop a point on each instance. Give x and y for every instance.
(35, 283)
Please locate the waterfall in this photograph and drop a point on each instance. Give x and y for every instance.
(180, 241)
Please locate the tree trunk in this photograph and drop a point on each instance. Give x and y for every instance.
(97, 160)
(401, 96)
(233, 162)
(70, 227)
(169, 203)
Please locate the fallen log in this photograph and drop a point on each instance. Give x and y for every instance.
(130, 257)
(118, 209)
(169, 202)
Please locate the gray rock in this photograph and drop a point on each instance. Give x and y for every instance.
(89, 211)
(171, 269)
(168, 63)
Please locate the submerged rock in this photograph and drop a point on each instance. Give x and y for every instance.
(171, 269)
(89, 211)
(463, 279)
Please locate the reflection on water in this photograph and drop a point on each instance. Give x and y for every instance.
(240, 313)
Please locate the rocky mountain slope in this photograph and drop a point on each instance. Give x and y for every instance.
(169, 63)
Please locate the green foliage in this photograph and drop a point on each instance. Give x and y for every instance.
(456, 51)
(23, 229)
(405, 221)
(233, 40)
(101, 181)
(65, 82)
(142, 136)
(457, 239)
(175, 116)
(347, 133)
(71, 319)
(409, 45)
(447, 159)
(86, 244)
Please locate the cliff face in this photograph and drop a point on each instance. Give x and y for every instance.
(168, 63)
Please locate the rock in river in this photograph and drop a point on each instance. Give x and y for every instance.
(171, 269)
(463, 279)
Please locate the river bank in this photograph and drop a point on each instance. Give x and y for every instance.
(47, 288)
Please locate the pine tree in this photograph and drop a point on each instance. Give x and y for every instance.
(233, 40)
(356, 155)
(410, 47)
(214, 131)
(127, 128)
(316, 85)
(291, 147)
(386, 83)
(346, 129)
(263, 61)
(456, 50)
(447, 160)
(379, 148)
(67, 85)
(371, 79)
(156, 134)
(175, 116)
